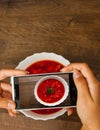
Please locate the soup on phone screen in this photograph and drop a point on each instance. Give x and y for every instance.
(50, 90)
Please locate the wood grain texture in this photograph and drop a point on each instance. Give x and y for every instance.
(22, 123)
(69, 28)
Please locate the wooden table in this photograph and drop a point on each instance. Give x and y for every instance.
(67, 27)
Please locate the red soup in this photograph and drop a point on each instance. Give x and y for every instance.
(45, 66)
(50, 90)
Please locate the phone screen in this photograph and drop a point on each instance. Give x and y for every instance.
(24, 88)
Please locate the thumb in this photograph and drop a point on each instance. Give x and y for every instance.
(81, 84)
(6, 103)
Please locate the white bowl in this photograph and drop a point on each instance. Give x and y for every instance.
(42, 56)
(32, 59)
(66, 88)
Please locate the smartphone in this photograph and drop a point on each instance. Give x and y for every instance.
(24, 88)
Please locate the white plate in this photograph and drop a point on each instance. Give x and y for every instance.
(38, 57)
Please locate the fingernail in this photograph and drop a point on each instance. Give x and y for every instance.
(15, 112)
(10, 105)
(76, 74)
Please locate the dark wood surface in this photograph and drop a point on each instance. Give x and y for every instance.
(67, 27)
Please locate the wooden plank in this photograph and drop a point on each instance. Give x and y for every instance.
(22, 123)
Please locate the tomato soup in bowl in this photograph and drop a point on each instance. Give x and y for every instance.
(51, 90)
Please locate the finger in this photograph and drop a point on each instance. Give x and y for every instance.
(6, 95)
(69, 111)
(6, 86)
(15, 112)
(85, 70)
(4, 73)
(6, 103)
(11, 113)
(81, 85)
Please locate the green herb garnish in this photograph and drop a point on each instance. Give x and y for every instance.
(50, 90)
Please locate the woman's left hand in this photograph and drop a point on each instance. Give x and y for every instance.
(6, 90)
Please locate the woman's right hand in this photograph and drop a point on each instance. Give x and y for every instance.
(88, 102)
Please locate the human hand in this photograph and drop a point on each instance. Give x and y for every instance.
(6, 91)
(88, 102)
